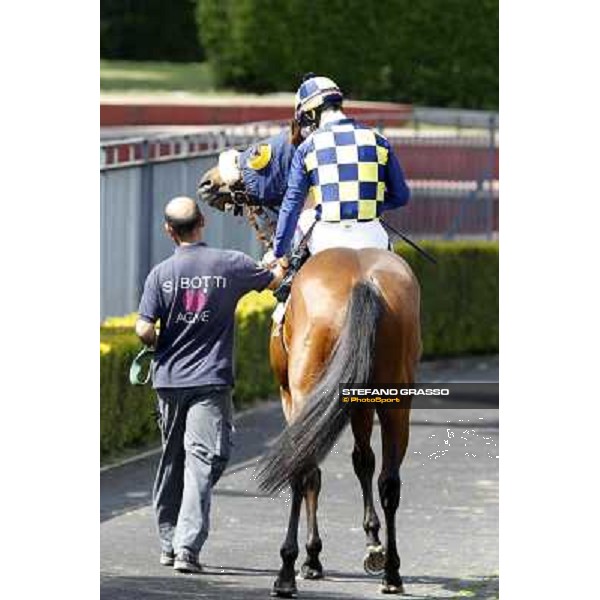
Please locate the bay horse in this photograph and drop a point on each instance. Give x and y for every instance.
(353, 317)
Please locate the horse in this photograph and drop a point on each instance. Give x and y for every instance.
(353, 317)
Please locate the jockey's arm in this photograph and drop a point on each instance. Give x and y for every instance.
(292, 204)
(397, 192)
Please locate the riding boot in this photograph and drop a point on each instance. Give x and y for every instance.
(297, 259)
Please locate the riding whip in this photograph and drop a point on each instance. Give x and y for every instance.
(405, 238)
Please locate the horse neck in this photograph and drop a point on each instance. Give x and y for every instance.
(264, 231)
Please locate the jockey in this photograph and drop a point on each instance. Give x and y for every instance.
(263, 168)
(350, 171)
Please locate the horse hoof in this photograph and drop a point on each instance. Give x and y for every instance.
(284, 590)
(374, 561)
(308, 572)
(390, 588)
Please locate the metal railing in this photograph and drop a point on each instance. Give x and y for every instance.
(457, 118)
(134, 186)
(452, 173)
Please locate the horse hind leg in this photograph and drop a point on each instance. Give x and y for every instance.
(285, 583)
(389, 493)
(312, 567)
(363, 461)
(394, 437)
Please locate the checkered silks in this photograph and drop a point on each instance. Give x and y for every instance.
(346, 167)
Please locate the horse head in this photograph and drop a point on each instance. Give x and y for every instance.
(252, 182)
(222, 186)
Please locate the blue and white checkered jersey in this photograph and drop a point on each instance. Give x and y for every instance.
(352, 173)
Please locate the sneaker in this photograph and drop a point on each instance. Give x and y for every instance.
(167, 558)
(186, 562)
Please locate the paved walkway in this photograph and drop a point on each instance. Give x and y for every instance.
(447, 521)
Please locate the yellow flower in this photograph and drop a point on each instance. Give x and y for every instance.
(254, 302)
(251, 303)
(126, 321)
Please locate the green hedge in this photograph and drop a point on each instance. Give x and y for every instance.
(126, 411)
(459, 305)
(459, 297)
(149, 30)
(428, 52)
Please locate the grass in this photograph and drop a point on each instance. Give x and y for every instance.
(156, 77)
(122, 76)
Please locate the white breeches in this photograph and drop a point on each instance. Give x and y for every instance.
(345, 234)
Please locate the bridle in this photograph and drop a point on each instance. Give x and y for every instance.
(236, 200)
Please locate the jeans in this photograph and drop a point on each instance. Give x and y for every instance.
(196, 428)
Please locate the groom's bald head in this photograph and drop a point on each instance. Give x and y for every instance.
(183, 217)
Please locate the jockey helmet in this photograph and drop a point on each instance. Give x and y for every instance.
(313, 94)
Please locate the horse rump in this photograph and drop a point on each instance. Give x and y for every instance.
(311, 436)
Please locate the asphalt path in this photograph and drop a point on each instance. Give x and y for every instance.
(447, 521)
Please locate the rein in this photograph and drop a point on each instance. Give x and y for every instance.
(238, 198)
(242, 205)
(265, 230)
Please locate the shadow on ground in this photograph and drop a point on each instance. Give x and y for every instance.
(130, 487)
(211, 586)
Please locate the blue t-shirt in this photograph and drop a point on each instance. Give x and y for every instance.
(194, 294)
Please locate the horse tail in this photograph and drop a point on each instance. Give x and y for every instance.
(310, 437)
